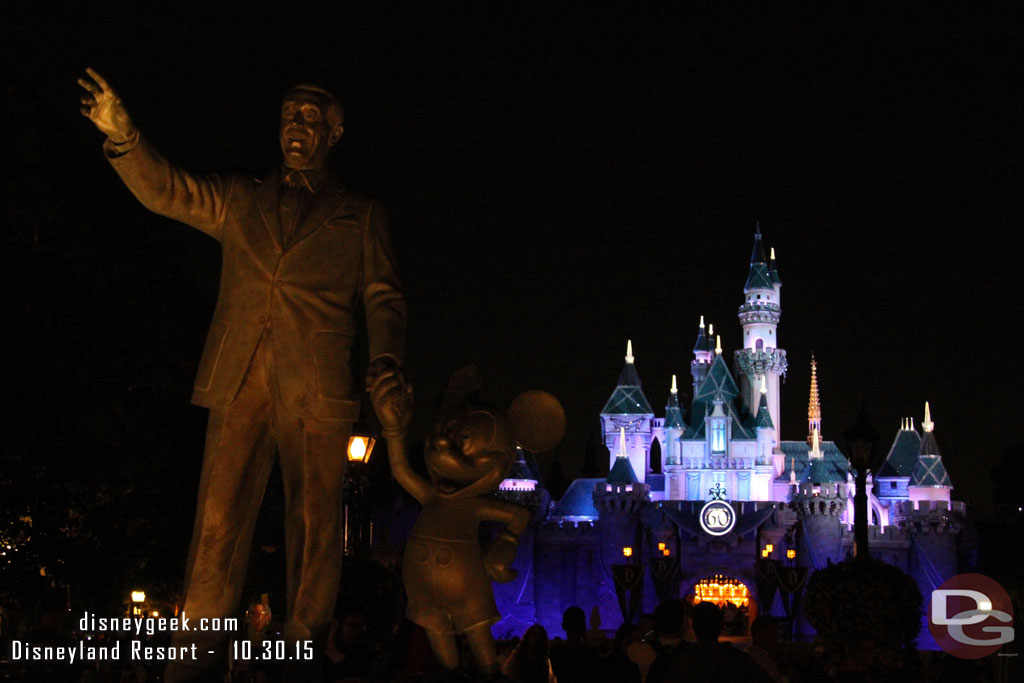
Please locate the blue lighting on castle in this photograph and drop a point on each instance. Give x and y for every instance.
(791, 501)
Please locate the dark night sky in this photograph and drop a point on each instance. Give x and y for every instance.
(563, 179)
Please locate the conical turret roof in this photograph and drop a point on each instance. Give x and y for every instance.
(673, 412)
(622, 472)
(628, 397)
(929, 470)
(764, 417)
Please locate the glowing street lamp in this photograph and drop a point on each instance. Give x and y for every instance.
(360, 446)
(357, 527)
(138, 597)
(627, 552)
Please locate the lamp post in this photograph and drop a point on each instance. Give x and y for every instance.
(357, 531)
(138, 600)
(861, 442)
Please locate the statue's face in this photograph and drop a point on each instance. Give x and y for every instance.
(306, 136)
(470, 453)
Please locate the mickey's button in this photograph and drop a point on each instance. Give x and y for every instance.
(262, 318)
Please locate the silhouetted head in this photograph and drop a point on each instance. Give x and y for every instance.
(669, 617)
(311, 122)
(574, 621)
(707, 621)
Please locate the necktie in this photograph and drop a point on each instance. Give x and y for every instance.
(294, 200)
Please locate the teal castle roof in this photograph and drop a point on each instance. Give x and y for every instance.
(719, 385)
(902, 455)
(764, 418)
(622, 472)
(673, 413)
(829, 469)
(628, 398)
(929, 470)
(759, 276)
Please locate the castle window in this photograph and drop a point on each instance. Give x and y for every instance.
(892, 484)
(718, 436)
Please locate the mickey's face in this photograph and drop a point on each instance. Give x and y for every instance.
(470, 453)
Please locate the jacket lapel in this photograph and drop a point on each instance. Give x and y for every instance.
(325, 202)
(269, 196)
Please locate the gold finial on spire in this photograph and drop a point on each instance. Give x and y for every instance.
(928, 425)
(718, 345)
(711, 328)
(675, 389)
(629, 351)
(702, 322)
(773, 253)
(792, 470)
(622, 443)
(814, 403)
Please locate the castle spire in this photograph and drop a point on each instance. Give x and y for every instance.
(629, 351)
(718, 345)
(622, 443)
(814, 404)
(673, 415)
(773, 272)
(701, 358)
(929, 480)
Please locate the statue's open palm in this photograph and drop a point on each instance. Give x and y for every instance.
(104, 108)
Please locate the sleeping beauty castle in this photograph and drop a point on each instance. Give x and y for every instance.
(709, 502)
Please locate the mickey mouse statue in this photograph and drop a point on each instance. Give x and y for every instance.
(447, 574)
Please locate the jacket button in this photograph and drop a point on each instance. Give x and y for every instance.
(279, 283)
(262, 318)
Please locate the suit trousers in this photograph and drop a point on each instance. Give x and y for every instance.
(242, 440)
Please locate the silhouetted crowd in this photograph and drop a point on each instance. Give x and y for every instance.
(680, 641)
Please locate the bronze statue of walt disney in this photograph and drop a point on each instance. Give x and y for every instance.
(300, 253)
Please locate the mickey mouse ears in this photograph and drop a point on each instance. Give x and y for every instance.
(538, 420)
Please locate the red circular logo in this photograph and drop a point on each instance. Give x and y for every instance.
(970, 616)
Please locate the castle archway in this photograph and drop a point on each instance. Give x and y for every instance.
(731, 595)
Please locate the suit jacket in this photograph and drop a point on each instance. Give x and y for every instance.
(304, 296)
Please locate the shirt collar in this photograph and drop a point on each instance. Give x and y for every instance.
(312, 179)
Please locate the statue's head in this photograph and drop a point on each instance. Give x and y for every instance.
(311, 119)
(471, 452)
(474, 446)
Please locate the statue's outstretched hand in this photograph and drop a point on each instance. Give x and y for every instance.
(392, 400)
(104, 108)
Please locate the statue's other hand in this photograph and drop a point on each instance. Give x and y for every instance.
(391, 397)
(102, 106)
(498, 558)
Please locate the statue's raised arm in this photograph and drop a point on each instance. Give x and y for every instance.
(162, 187)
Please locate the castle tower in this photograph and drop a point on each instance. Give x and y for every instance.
(703, 354)
(759, 315)
(765, 430)
(929, 480)
(672, 453)
(628, 411)
(813, 404)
